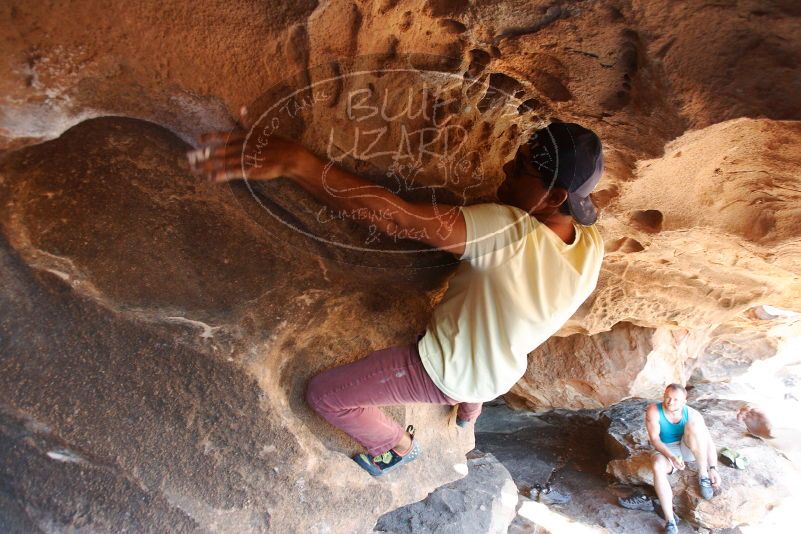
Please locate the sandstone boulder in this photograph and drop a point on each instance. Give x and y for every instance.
(155, 344)
(749, 356)
(743, 345)
(585, 372)
(674, 217)
(722, 241)
(483, 502)
(156, 333)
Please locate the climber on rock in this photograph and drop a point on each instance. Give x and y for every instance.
(527, 263)
(678, 433)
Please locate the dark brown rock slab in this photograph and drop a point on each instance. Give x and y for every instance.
(484, 501)
(137, 365)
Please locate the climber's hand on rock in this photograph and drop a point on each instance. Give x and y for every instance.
(225, 156)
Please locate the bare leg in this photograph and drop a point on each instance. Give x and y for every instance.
(697, 439)
(661, 467)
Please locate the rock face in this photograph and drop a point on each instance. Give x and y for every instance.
(581, 372)
(157, 333)
(737, 347)
(482, 502)
(745, 496)
(751, 356)
(657, 304)
(697, 231)
(727, 252)
(132, 375)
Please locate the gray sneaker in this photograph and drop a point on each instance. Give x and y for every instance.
(548, 495)
(671, 528)
(705, 488)
(638, 501)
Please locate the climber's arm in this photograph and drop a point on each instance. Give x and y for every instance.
(441, 226)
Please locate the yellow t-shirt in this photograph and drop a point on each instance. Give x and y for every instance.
(517, 285)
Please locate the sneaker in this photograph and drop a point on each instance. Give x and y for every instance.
(384, 463)
(638, 501)
(671, 528)
(548, 495)
(462, 423)
(705, 488)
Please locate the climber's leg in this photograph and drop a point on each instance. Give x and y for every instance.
(348, 396)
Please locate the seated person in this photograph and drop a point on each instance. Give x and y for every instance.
(677, 433)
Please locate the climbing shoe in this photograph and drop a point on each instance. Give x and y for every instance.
(462, 423)
(386, 462)
(638, 501)
(671, 528)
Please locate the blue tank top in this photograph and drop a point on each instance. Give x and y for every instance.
(671, 432)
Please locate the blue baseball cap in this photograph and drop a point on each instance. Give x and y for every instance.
(570, 156)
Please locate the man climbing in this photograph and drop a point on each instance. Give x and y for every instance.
(526, 268)
(677, 433)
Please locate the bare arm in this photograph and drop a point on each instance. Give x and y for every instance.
(441, 226)
(652, 426)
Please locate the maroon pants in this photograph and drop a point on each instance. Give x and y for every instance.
(348, 396)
